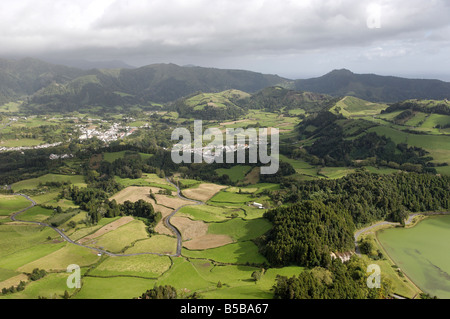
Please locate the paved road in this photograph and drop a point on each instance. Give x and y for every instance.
(170, 225)
(66, 238)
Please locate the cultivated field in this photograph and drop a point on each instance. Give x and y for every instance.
(203, 192)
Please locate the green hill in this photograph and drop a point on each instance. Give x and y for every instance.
(277, 98)
(211, 106)
(351, 106)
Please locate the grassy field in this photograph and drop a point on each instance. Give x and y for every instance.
(161, 244)
(36, 214)
(11, 204)
(241, 230)
(123, 237)
(351, 106)
(10, 107)
(149, 180)
(236, 173)
(59, 260)
(76, 180)
(146, 266)
(232, 198)
(24, 243)
(237, 253)
(209, 213)
(113, 288)
(437, 145)
(22, 142)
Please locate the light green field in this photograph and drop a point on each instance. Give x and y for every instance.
(236, 173)
(417, 119)
(63, 257)
(10, 107)
(422, 253)
(437, 145)
(210, 213)
(146, 266)
(236, 253)
(436, 119)
(52, 286)
(113, 288)
(301, 167)
(232, 198)
(161, 244)
(237, 283)
(24, 243)
(149, 180)
(241, 230)
(336, 172)
(36, 214)
(124, 236)
(84, 231)
(11, 204)
(76, 180)
(351, 106)
(22, 142)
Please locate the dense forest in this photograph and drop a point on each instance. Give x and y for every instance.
(339, 281)
(325, 213)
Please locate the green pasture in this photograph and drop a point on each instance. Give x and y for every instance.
(209, 213)
(76, 180)
(123, 237)
(236, 173)
(146, 266)
(240, 229)
(11, 204)
(161, 244)
(22, 142)
(236, 253)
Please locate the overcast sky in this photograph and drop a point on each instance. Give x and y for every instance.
(291, 38)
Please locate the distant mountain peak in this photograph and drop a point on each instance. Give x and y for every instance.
(341, 72)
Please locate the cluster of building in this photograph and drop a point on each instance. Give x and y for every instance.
(63, 156)
(115, 132)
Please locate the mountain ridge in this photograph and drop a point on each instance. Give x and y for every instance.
(61, 88)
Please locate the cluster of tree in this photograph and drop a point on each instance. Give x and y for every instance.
(306, 233)
(15, 166)
(13, 289)
(206, 111)
(338, 281)
(127, 167)
(96, 202)
(371, 197)
(160, 292)
(273, 99)
(325, 213)
(37, 274)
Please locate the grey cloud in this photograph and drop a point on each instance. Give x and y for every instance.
(206, 30)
